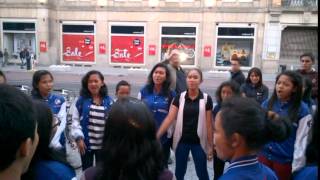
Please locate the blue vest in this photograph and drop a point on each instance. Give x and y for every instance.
(83, 107)
(283, 151)
(52, 170)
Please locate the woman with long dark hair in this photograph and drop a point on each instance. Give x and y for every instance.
(130, 147)
(192, 110)
(225, 91)
(158, 96)
(42, 86)
(254, 87)
(288, 156)
(89, 117)
(47, 162)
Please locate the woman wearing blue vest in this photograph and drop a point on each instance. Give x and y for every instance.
(158, 96)
(241, 128)
(89, 117)
(47, 163)
(289, 155)
(42, 86)
(192, 110)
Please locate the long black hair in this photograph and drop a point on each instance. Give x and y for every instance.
(234, 87)
(130, 148)
(84, 92)
(307, 85)
(245, 117)
(165, 85)
(35, 82)
(257, 71)
(296, 97)
(313, 147)
(44, 117)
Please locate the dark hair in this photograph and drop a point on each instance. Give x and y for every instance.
(234, 87)
(35, 82)
(296, 97)
(199, 72)
(308, 54)
(130, 148)
(307, 85)
(256, 71)
(84, 92)
(122, 83)
(313, 147)
(245, 117)
(3, 75)
(234, 57)
(44, 117)
(165, 84)
(17, 123)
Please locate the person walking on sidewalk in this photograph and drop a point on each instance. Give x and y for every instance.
(1, 58)
(5, 57)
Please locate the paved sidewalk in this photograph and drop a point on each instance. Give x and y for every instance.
(81, 70)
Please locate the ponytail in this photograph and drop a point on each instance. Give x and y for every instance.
(277, 127)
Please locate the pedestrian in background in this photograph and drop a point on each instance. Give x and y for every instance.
(192, 110)
(178, 76)
(242, 127)
(307, 60)
(235, 71)
(42, 87)
(130, 147)
(158, 97)
(5, 57)
(1, 58)
(254, 87)
(289, 155)
(89, 117)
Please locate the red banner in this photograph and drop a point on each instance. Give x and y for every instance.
(207, 51)
(78, 48)
(43, 46)
(152, 50)
(102, 48)
(127, 49)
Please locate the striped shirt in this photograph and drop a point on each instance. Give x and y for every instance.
(97, 120)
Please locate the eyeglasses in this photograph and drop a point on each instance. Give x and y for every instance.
(57, 122)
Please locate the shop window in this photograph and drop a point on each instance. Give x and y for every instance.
(78, 43)
(127, 44)
(235, 40)
(182, 38)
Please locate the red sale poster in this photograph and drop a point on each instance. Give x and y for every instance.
(127, 49)
(43, 46)
(78, 48)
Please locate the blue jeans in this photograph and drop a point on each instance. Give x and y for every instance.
(199, 158)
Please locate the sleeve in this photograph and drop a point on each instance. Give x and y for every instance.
(62, 116)
(265, 93)
(264, 104)
(242, 88)
(76, 129)
(209, 104)
(176, 101)
(301, 142)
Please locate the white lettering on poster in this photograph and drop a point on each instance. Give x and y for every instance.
(121, 53)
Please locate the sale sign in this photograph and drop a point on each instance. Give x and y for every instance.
(102, 48)
(43, 46)
(127, 49)
(78, 48)
(207, 51)
(152, 50)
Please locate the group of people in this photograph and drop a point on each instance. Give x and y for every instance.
(131, 138)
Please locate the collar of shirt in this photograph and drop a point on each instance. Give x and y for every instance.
(243, 161)
(200, 96)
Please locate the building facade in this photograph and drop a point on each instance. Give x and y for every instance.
(140, 33)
